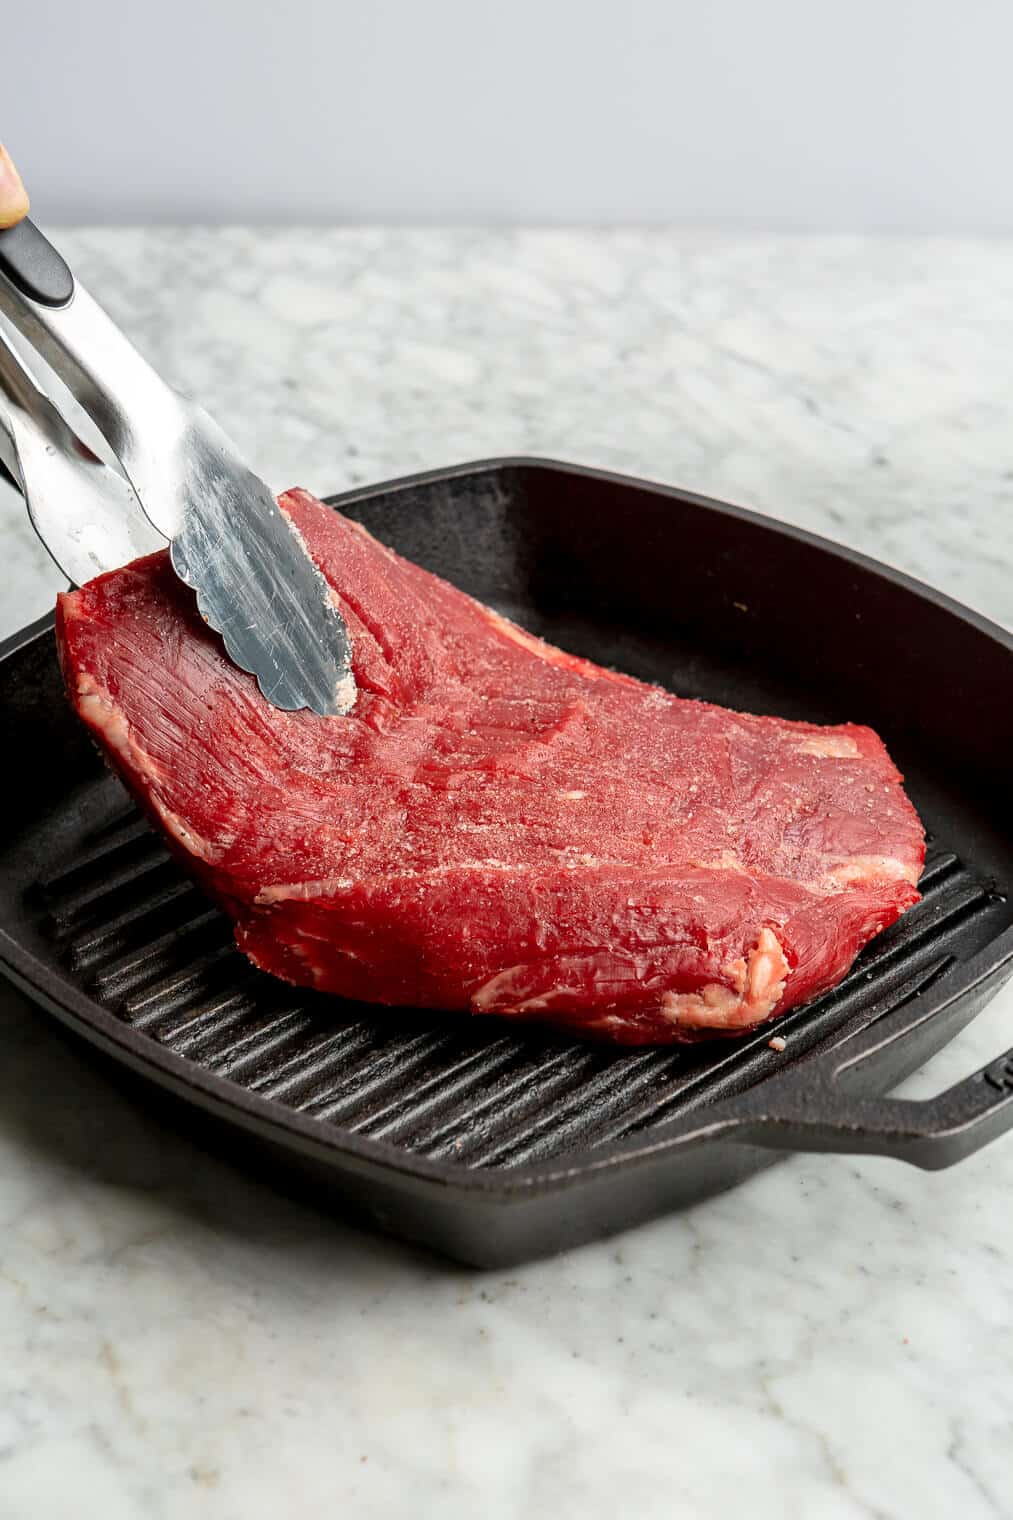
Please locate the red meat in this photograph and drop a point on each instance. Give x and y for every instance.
(497, 827)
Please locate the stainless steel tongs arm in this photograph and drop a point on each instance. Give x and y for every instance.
(137, 413)
(86, 514)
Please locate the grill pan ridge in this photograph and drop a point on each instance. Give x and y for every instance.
(495, 1142)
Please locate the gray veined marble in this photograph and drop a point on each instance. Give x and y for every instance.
(834, 1340)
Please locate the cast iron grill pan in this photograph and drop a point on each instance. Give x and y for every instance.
(494, 1141)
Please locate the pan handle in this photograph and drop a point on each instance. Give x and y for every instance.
(931, 1133)
(823, 1102)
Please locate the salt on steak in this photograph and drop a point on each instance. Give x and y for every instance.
(497, 826)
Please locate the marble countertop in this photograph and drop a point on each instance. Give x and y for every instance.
(835, 1339)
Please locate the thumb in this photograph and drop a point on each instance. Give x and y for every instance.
(13, 195)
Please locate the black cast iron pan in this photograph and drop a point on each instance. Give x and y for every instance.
(489, 1142)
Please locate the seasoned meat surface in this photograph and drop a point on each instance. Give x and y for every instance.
(497, 826)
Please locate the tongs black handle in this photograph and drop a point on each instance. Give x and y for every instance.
(33, 266)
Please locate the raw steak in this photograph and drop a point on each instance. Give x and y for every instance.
(498, 826)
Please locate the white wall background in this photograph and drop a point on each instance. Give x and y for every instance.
(812, 114)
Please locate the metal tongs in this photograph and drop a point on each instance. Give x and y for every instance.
(182, 481)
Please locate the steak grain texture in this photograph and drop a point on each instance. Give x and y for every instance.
(497, 827)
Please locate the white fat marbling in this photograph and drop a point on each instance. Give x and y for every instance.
(833, 1340)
